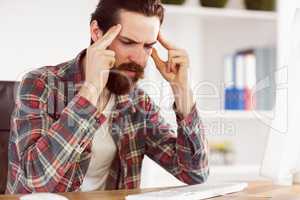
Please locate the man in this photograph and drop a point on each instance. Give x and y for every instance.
(85, 125)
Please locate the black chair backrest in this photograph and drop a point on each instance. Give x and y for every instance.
(7, 101)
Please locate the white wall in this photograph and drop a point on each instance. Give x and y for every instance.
(34, 33)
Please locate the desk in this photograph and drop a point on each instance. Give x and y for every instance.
(255, 191)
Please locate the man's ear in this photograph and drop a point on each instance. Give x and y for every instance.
(95, 31)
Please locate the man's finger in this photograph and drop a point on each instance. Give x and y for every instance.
(164, 42)
(106, 52)
(109, 36)
(160, 64)
(180, 60)
(177, 53)
(169, 65)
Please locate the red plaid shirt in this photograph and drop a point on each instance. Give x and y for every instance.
(53, 128)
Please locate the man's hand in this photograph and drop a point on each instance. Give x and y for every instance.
(99, 61)
(175, 71)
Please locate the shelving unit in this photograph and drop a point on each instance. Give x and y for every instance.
(208, 34)
(199, 11)
(217, 174)
(243, 115)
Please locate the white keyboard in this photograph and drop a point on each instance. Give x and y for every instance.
(191, 192)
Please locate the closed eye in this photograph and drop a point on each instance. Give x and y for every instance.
(127, 43)
(148, 46)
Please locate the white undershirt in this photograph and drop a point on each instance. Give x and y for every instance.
(103, 153)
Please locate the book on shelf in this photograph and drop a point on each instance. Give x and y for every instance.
(234, 84)
(249, 79)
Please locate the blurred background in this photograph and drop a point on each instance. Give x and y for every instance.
(237, 52)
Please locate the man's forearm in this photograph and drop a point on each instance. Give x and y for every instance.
(183, 98)
(90, 92)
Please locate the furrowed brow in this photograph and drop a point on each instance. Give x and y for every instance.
(133, 41)
(128, 39)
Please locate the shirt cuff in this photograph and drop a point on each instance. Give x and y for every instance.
(187, 120)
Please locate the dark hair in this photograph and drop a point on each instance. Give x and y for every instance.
(106, 13)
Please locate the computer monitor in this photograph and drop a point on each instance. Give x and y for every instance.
(282, 152)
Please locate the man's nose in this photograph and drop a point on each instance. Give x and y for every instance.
(139, 57)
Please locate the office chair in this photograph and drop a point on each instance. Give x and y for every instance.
(7, 101)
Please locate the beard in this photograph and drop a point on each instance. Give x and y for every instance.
(119, 83)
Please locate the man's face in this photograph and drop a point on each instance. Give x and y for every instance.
(133, 47)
